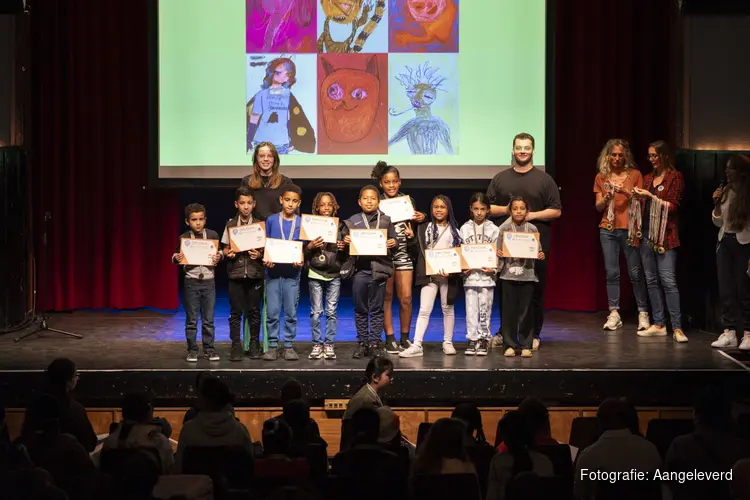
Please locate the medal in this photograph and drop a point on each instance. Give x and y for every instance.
(660, 188)
(661, 250)
(608, 226)
(200, 274)
(638, 235)
(322, 258)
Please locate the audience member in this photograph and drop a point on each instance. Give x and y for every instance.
(139, 476)
(30, 484)
(537, 417)
(741, 480)
(616, 450)
(712, 446)
(377, 376)
(519, 457)
(390, 433)
(60, 379)
(138, 430)
(277, 449)
(195, 409)
(470, 415)
(214, 425)
(305, 431)
(444, 450)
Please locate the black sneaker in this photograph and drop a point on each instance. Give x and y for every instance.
(359, 352)
(272, 354)
(375, 350)
(211, 356)
(192, 357)
(255, 352)
(391, 346)
(405, 343)
(483, 347)
(471, 350)
(237, 353)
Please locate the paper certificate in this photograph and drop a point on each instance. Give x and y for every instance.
(521, 245)
(199, 252)
(398, 209)
(445, 260)
(283, 251)
(248, 237)
(368, 242)
(478, 256)
(316, 226)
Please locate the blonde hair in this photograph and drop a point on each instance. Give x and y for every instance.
(256, 179)
(604, 156)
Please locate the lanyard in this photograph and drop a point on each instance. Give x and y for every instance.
(281, 227)
(440, 235)
(367, 224)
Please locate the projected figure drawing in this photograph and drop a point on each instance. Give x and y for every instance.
(424, 132)
(346, 12)
(274, 115)
(281, 26)
(423, 26)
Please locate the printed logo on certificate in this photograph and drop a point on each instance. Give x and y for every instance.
(316, 226)
(479, 256)
(368, 242)
(445, 260)
(398, 209)
(283, 251)
(521, 245)
(199, 252)
(248, 237)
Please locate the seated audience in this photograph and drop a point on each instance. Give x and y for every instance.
(296, 415)
(469, 414)
(30, 484)
(390, 433)
(444, 450)
(215, 425)
(616, 450)
(194, 410)
(377, 377)
(138, 430)
(519, 457)
(277, 448)
(139, 476)
(537, 416)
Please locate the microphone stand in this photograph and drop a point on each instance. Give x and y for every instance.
(44, 318)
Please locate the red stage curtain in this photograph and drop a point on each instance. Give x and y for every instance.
(110, 237)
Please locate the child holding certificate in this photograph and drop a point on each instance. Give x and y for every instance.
(324, 261)
(479, 284)
(440, 232)
(245, 271)
(518, 277)
(282, 280)
(200, 289)
(370, 274)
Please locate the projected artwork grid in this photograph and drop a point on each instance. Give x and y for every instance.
(352, 76)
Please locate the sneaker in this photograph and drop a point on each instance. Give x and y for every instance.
(192, 357)
(391, 346)
(726, 339)
(211, 356)
(509, 352)
(679, 336)
(328, 351)
(290, 354)
(526, 353)
(405, 343)
(448, 349)
(536, 343)
(613, 321)
(317, 352)
(413, 351)
(237, 353)
(272, 354)
(374, 350)
(255, 352)
(496, 342)
(471, 350)
(653, 331)
(483, 347)
(745, 344)
(643, 321)
(359, 352)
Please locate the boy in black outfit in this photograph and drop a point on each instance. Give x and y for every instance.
(200, 288)
(246, 279)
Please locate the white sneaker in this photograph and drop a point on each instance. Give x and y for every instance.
(535, 344)
(745, 344)
(726, 339)
(413, 351)
(448, 349)
(653, 331)
(613, 321)
(643, 321)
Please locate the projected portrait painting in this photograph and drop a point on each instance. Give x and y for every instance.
(423, 26)
(352, 26)
(281, 96)
(423, 100)
(280, 26)
(352, 97)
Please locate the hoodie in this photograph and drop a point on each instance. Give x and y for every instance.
(472, 234)
(212, 428)
(139, 435)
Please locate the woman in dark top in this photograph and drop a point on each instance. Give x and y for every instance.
(266, 181)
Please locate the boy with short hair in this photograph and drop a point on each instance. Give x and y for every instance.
(199, 287)
(246, 280)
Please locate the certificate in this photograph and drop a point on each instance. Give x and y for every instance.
(316, 226)
(199, 252)
(398, 209)
(283, 251)
(446, 260)
(248, 237)
(368, 242)
(478, 256)
(521, 245)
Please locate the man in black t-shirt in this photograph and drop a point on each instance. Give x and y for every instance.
(541, 193)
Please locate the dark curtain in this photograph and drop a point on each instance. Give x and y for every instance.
(110, 237)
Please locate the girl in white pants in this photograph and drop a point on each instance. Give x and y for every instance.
(440, 232)
(479, 284)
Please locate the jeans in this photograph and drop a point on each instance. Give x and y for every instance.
(612, 242)
(518, 322)
(331, 290)
(245, 299)
(282, 293)
(199, 298)
(734, 283)
(368, 307)
(662, 268)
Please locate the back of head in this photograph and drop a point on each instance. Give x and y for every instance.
(42, 415)
(515, 431)
(537, 415)
(613, 415)
(291, 390)
(277, 437)
(214, 395)
(140, 473)
(712, 408)
(136, 407)
(59, 375)
(200, 378)
(634, 421)
(470, 415)
(297, 413)
(390, 425)
(365, 426)
(444, 440)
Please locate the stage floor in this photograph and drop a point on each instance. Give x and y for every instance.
(577, 364)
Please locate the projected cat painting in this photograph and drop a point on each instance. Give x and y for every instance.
(275, 26)
(352, 26)
(423, 114)
(281, 95)
(352, 94)
(423, 25)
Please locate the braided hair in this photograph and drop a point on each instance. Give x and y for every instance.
(432, 233)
